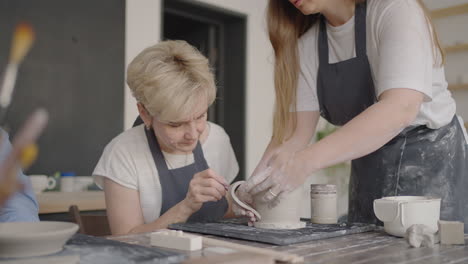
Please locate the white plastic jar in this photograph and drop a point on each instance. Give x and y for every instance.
(67, 182)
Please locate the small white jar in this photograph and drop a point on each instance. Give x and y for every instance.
(67, 182)
(323, 204)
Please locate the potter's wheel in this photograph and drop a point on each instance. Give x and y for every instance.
(238, 228)
(283, 225)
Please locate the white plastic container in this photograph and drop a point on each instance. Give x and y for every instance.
(398, 213)
(67, 183)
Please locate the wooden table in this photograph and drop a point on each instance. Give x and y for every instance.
(59, 202)
(370, 247)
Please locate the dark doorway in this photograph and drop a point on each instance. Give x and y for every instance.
(221, 36)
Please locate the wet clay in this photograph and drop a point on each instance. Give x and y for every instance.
(285, 215)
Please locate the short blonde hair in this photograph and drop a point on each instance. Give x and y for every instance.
(170, 78)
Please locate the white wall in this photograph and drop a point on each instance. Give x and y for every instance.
(144, 28)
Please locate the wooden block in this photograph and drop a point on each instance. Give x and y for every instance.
(176, 240)
(207, 251)
(233, 258)
(451, 232)
(276, 255)
(69, 259)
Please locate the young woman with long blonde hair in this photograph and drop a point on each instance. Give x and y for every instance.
(375, 69)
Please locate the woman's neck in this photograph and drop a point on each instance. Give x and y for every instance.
(339, 12)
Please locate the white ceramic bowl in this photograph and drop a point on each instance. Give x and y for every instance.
(34, 239)
(398, 213)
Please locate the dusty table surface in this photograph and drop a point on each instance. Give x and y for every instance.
(370, 247)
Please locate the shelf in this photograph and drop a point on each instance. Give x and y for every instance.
(456, 48)
(449, 11)
(456, 87)
(466, 125)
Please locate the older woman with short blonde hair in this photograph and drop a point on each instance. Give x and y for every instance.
(176, 166)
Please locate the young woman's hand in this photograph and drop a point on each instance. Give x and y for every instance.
(206, 186)
(285, 172)
(271, 172)
(261, 172)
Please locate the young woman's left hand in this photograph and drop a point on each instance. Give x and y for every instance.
(287, 171)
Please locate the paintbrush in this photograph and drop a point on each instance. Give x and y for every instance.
(25, 139)
(23, 39)
(23, 154)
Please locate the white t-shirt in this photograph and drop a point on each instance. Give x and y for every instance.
(127, 160)
(399, 48)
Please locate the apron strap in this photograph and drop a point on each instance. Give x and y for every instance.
(199, 157)
(360, 29)
(156, 152)
(323, 42)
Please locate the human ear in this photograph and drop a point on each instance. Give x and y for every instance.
(145, 116)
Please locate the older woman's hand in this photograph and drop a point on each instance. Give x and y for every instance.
(246, 198)
(206, 186)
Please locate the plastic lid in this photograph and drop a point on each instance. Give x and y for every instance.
(67, 174)
(323, 188)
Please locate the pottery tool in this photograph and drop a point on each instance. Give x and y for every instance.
(236, 228)
(23, 39)
(176, 240)
(232, 258)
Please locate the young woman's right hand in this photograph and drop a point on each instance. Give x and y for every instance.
(205, 186)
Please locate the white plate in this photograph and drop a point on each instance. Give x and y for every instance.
(34, 239)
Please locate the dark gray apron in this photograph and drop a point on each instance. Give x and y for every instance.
(175, 183)
(419, 161)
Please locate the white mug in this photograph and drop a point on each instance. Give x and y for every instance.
(67, 183)
(41, 183)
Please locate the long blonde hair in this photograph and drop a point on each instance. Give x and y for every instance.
(286, 25)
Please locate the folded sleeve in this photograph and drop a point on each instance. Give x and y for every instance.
(306, 95)
(117, 165)
(22, 206)
(219, 153)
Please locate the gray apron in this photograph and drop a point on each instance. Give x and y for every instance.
(419, 161)
(175, 182)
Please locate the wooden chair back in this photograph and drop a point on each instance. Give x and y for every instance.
(93, 224)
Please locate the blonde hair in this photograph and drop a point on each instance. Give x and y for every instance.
(286, 25)
(170, 78)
